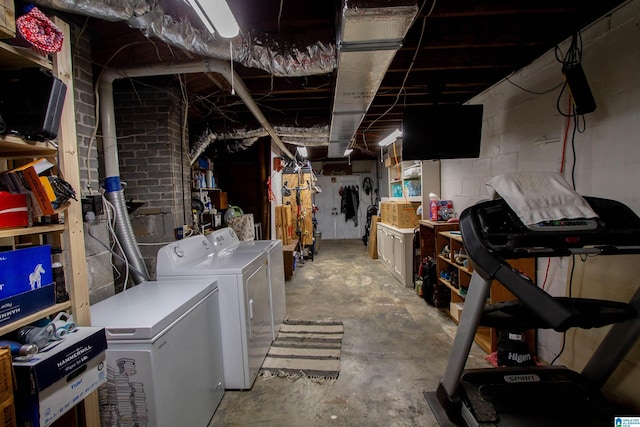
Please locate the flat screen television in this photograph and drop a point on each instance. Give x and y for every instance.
(441, 132)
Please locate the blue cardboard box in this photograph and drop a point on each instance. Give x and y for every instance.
(24, 270)
(22, 305)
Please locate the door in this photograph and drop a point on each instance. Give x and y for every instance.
(332, 223)
(398, 255)
(259, 322)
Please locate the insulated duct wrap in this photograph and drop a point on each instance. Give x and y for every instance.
(252, 50)
(124, 231)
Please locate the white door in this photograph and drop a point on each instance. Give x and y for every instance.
(331, 222)
(398, 255)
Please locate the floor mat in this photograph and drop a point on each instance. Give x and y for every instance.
(305, 349)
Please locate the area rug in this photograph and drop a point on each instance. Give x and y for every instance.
(305, 349)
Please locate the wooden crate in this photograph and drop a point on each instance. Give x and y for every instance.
(7, 19)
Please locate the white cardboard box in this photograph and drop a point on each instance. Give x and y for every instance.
(55, 381)
(455, 309)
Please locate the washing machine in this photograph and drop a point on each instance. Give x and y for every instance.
(164, 355)
(245, 312)
(226, 240)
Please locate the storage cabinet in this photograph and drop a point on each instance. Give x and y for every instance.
(65, 230)
(454, 271)
(428, 232)
(395, 251)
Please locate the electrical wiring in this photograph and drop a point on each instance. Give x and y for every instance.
(534, 92)
(564, 334)
(111, 221)
(571, 58)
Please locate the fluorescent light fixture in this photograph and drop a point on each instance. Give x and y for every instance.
(348, 151)
(390, 138)
(216, 16)
(302, 151)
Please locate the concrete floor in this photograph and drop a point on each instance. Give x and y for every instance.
(394, 348)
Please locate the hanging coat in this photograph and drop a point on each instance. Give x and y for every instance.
(349, 203)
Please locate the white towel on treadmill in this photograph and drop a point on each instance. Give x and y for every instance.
(539, 196)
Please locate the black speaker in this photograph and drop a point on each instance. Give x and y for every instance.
(577, 81)
(31, 102)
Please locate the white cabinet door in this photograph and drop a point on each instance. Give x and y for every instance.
(398, 255)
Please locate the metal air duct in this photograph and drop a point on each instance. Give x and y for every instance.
(368, 40)
(113, 187)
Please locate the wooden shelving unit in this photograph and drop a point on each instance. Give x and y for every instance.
(457, 276)
(69, 235)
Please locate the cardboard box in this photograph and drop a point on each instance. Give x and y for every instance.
(27, 303)
(455, 310)
(6, 375)
(14, 210)
(385, 212)
(24, 270)
(372, 245)
(59, 377)
(403, 215)
(219, 199)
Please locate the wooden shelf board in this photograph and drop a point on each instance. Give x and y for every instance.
(450, 286)
(35, 316)
(13, 57)
(450, 235)
(17, 148)
(483, 338)
(26, 231)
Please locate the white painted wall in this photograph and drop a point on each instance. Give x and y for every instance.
(516, 126)
(276, 188)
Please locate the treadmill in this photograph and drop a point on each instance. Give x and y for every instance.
(532, 395)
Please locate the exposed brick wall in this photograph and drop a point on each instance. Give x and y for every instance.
(153, 160)
(100, 273)
(85, 102)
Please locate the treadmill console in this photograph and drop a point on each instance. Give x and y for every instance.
(497, 227)
(565, 225)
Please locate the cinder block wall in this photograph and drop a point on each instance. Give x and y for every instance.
(153, 160)
(523, 131)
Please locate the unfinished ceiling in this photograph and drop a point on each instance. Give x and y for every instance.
(451, 52)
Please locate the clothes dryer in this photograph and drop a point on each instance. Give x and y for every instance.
(245, 312)
(226, 240)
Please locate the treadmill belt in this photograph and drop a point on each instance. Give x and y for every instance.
(555, 398)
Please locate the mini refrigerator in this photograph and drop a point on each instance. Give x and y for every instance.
(164, 355)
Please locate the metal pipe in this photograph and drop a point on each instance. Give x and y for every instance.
(114, 192)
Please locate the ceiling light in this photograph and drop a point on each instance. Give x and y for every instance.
(391, 138)
(216, 16)
(302, 151)
(348, 151)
